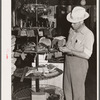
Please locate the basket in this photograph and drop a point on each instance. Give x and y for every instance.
(52, 92)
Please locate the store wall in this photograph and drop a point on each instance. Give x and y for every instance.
(62, 24)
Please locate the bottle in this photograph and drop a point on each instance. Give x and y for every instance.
(21, 23)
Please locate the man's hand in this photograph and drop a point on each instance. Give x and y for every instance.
(64, 49)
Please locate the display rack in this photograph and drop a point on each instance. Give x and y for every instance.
(22, 75)
(37, 58)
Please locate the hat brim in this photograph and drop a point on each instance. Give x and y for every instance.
(70, 19)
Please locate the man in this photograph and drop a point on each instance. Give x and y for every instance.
(78, 50)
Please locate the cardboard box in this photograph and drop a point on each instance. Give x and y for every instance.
(39, 96)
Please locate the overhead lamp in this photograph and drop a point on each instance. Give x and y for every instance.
(45, 9)
(83, 2)
(69, 8)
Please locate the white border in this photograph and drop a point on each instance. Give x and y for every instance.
(6, 50)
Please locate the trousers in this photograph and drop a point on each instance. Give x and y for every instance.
(75, 72)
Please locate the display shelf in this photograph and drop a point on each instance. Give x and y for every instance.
(29, 28)
(19, 72)
(28, 31)
(32, 51)
(38, 52)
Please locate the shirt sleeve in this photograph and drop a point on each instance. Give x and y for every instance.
(88, 45)
(69, 37)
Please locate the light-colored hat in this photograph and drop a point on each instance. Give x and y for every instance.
(78, 14)
(45, 41)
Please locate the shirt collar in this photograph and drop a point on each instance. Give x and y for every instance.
(81, 29)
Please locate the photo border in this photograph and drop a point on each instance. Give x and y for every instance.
(5, 47)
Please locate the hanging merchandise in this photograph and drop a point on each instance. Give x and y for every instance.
(50, 16)
(30, 9)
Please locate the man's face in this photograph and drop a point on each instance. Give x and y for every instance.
(76, 26)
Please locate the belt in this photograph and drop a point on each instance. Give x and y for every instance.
(70, 54)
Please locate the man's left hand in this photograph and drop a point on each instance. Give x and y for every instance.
(64, 49)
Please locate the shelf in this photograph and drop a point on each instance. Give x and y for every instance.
(19, 72)
(29, 28)
(38, 52)
(51, 92)
(32, 51)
